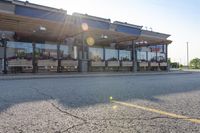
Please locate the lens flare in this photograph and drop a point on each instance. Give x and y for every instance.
(90, 41)
(84, 26)
(111, 98)
(114, 107)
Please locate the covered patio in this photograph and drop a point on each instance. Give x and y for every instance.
(82, 36)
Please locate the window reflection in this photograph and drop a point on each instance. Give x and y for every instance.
(125, 55)
(46, 51)
(96, 54)
(141, 56)
(151, 56)
(111, 54)
(20, 50)
(161, 57)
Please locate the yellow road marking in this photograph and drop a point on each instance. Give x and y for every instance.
(158, 111)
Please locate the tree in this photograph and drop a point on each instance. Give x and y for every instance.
(174, 64)
(169, 60)
(195, 63)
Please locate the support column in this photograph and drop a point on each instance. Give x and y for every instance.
(83, 62)
(58, 58)
(134, 57)
(118, 56)
(147, 69)
(4, 42)
(156, 53)
(168, 65)
(104, 54)
(158, 68)
(34, 59)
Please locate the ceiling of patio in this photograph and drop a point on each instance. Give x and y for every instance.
(27, 27)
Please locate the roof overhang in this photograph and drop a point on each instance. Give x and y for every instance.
(27, 27)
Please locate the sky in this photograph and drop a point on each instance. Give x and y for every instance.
(179, 18)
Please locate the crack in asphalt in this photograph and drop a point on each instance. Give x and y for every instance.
(63, 111)
(85, 121)
(132, 119)
(91, 121)
(56, 107)
(74, 126)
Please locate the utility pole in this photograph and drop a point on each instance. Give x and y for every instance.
(187, 55)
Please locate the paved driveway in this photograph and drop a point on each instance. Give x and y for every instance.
(151, 103)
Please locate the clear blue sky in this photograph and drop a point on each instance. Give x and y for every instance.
(180, 18)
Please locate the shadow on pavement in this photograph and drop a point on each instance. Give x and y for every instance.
(80, 92)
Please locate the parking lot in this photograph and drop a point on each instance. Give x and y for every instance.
(124, 103)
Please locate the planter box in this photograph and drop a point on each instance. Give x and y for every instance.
(143, 64)
(47, 63)
(113, 64)
(127, 63)
(163, 64)
(154, 64)
(20, 63)
(69, 63)
(98, 64)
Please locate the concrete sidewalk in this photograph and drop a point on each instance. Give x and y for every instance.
(78, 75)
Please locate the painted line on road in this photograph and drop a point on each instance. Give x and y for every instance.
(158, 111)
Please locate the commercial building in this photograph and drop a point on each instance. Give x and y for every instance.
(36, 38)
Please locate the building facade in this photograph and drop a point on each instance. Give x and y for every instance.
(37, 38)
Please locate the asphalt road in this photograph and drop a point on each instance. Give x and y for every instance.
(90, 104)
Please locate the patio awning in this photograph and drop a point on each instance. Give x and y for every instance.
(27, 27)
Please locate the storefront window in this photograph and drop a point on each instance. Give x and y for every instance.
(141, 56)
(46, 51)
(111, 54)
(64, 52)
(125, 55)
(96, 54)
(151, 56)
(19, 50)
(161, 57)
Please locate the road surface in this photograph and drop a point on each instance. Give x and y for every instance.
(116, 104)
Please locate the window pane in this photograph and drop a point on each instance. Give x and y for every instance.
(151, 56)
(46, 51)
(111, 54)
(96, 54)
(125, 55)
(19, 50)
(141, 56)
(161, 57)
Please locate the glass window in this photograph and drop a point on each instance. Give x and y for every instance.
(151, 56)
(141, 56)
(125, 55)
(111, 54)
(68, 52)
(19, 50)
(64, 52)
(161, 57)
(46, 51)
(96, 54)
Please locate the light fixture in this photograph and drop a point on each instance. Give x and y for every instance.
(42, 28)
(104, 36)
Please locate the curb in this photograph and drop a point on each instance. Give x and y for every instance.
(85, 75)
